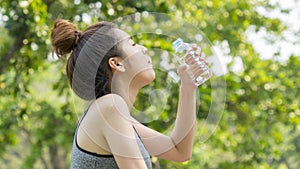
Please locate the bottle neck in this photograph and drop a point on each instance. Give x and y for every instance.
(183, 47)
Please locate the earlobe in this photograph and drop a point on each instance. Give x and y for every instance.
(116, 65)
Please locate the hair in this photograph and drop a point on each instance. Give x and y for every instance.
(87, 66)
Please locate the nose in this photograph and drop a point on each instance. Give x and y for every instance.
(144, 49)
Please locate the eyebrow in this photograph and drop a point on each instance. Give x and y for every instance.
(124, 39)
(127, 39)
(130, 38)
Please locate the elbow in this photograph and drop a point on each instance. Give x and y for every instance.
(184, 157)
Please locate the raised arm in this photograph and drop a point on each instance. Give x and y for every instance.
(178, 146)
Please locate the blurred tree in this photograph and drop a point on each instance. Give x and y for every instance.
(260, 125)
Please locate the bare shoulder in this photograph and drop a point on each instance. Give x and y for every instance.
(110, 103)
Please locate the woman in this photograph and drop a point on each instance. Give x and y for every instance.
(106, 65)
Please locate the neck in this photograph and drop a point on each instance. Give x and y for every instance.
(128, 92)
(133, 92)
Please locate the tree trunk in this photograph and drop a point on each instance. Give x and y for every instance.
(57, 158)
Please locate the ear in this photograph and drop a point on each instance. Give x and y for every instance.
(115, 64)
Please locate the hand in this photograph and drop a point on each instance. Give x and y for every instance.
(193, 66)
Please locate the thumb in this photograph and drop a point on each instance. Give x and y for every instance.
(182, 68)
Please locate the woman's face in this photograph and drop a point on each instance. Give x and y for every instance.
(137, 63)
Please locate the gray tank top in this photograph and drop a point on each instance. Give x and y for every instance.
(82, 159)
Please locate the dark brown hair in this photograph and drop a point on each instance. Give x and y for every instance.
(94, 47)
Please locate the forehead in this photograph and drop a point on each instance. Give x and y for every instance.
(120, 34)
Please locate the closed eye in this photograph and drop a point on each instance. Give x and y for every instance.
(132, 43)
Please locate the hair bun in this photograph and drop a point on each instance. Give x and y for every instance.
(64, 36)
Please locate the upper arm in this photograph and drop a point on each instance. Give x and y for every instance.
(117, 128)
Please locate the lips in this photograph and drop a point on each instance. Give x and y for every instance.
(149, 60)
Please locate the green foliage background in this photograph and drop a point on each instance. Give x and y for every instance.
(259, 128)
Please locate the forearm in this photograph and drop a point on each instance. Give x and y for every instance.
(183, 132)
(177, 146)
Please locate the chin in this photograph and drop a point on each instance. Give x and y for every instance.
(151, 75)
(146, 77)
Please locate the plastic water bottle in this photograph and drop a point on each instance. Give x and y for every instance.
(180, 47)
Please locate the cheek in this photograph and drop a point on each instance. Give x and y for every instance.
(138, 61)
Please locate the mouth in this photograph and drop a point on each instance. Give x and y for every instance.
(149, 61)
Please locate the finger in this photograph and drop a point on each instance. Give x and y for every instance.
(182, 68)
(202, 72)
(198, 67)
(189, 57)
(204, 61)
(194, 46)
(193, 59)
